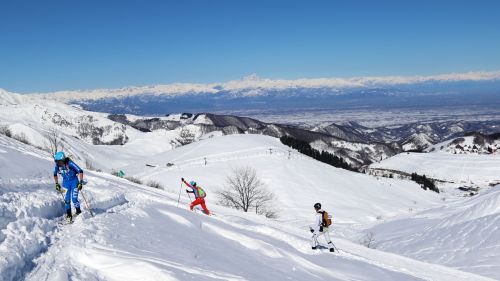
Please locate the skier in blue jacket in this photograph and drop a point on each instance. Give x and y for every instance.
(72, 180)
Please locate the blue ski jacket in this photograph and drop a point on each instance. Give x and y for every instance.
(68, 172)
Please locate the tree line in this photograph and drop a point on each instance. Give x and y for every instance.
(323, 156)
(425, 182)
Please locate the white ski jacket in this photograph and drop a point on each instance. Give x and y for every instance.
(318, 221)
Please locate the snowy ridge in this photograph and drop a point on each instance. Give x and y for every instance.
(34, 117)
(417, 142)
(476, 144)
(7, 98)
(138, 233)
(253, 85)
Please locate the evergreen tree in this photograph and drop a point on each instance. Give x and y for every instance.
(323, 156)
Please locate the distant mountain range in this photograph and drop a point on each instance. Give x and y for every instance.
(358, 144)
(253, 93)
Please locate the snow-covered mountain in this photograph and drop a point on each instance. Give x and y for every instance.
(100, 128)
(357, 144)
(252, 85)
(357, 152)
(31, 118)
(474, 143)
(417, 142)
(411, 136)
(140, 232)
(254, 93)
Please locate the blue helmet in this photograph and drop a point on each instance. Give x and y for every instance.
(59, 156)
(193, 183)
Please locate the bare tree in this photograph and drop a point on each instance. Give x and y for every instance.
(244, 191)
(186, 136)
(368, 240)
(53, 142)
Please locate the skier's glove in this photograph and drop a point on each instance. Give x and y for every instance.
(312, 230)
(182, 179)
(321, 229)
(58, 186)
(79, 186)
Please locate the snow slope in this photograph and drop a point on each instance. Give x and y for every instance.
(297, 180)
(466, 145)
(33, 118)
(445, 166)
(462, 235)
(138, 233)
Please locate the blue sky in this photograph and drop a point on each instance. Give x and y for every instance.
(64, 45)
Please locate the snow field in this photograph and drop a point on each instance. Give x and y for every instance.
(463, 235)
(298, 181)
(459, 168)
(139, 233)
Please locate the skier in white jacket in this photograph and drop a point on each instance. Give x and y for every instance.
(320, 228)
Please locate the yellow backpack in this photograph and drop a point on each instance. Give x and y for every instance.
(326, 220)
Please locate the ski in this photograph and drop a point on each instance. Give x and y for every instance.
(324, 247)
(199, 211)
(68, 220)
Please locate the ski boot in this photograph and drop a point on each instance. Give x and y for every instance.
(69, 217)
(332, 248)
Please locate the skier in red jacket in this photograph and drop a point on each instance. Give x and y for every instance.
(199, 195)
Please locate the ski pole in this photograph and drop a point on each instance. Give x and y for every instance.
(335, 247)
(179, 199)
(62, 195)
(189, 198)
(87, 204)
